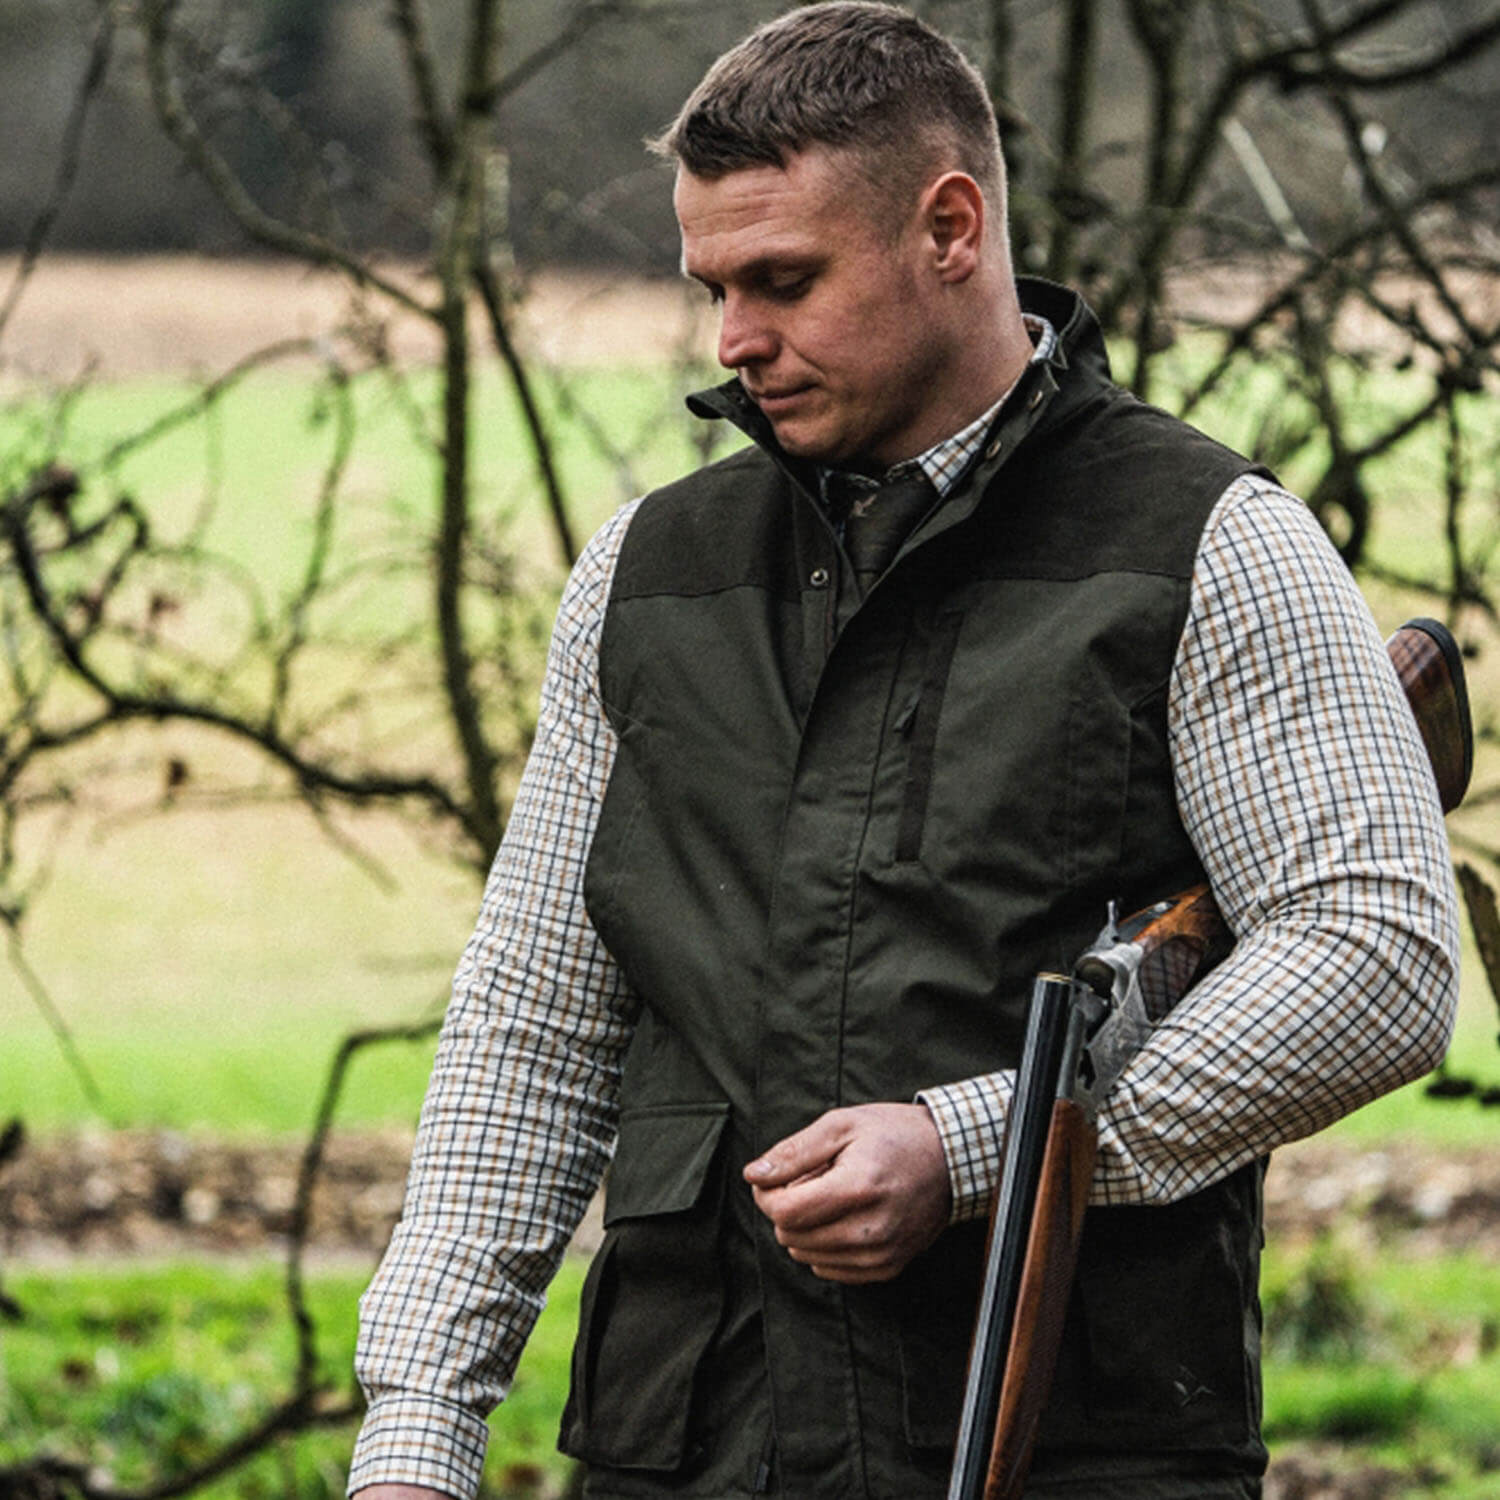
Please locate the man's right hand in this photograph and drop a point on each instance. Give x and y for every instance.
(859, 1192)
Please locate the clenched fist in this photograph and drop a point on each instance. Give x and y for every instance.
(859, 1192)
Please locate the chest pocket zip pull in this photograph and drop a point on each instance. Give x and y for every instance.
(908, 715)
(764, 1468)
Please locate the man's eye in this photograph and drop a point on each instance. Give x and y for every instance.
(789, 288)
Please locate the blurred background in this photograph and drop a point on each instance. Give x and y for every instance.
(329, 331)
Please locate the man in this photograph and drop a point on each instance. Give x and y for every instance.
(842, 740)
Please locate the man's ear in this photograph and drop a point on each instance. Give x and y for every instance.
(954, 218)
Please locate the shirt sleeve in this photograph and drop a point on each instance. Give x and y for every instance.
(1305, 789)
(520, 1114)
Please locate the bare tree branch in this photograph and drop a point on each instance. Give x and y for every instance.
(1328, 72)
(432, 121)
(1307, 58)
(310, 1403)
(1077, 88)
(586, 18)
(69, 159)
(315, 571)
(163, 705)
(311, 1165)
(541, 440)
(457, 222)
(1161, 31)
(263, 228)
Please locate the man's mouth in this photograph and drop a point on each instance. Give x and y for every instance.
(778, 399)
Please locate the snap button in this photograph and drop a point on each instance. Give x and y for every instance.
(994, 448)
(818, 578)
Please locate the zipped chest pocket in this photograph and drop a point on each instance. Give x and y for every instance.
(918, 725)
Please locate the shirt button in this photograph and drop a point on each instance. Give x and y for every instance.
(994, 448)
(818, 578)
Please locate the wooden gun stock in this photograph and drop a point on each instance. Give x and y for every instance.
(1130, 978)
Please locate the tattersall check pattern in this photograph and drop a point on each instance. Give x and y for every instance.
(1305, 789)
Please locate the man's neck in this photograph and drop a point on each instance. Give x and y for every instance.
(944, 460)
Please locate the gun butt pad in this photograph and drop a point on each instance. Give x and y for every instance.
(1431, 667)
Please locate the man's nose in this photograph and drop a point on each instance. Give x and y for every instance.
(745, 337)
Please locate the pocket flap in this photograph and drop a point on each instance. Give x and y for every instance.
(662, 1159)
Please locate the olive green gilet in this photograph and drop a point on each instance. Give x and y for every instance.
(830, 863)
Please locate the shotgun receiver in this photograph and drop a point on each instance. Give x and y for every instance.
(1082, 1032)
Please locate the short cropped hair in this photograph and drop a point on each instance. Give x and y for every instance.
(870, 78)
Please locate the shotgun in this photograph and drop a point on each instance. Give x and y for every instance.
(1083, 1029)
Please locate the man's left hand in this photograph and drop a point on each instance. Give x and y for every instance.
(859, 1192)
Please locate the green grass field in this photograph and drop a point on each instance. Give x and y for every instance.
(1372, 1360)
(1395, 1359)
(147, 1371)
(208, 960)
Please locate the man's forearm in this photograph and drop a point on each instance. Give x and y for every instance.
(1305, 786)
(520, 1112)
(1308, 794)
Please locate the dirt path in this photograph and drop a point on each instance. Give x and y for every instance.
(175, 314)
(160, 1194)
(121, 316)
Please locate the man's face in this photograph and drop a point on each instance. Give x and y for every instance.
(825, 314)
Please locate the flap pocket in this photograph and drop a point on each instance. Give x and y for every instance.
(662, 1159)
(654, 1294)
(1154, 1378)
(934, 1300)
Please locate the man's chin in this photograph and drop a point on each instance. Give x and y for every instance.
(800, 426)
(803, 440)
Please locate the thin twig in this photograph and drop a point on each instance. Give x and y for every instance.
(322, 540)
(311, 1165)
(67, 1044)
(416, 50)
(541, 439)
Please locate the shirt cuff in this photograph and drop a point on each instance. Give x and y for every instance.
(970, 1116)
(420, 1440)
